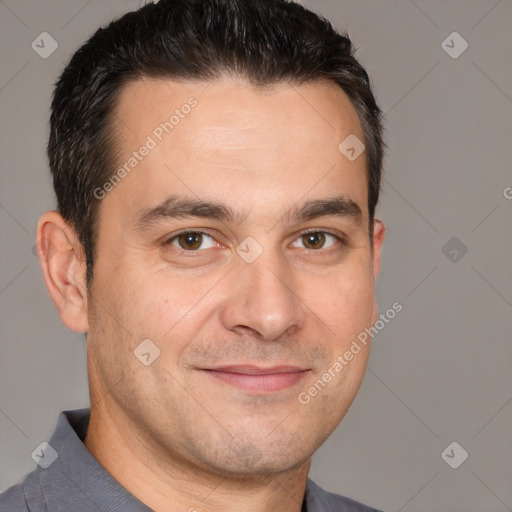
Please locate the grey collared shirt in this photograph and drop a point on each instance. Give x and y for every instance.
(69, 479)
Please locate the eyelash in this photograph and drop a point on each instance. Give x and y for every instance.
(338, 238)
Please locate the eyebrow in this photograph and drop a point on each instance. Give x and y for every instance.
(178, 207)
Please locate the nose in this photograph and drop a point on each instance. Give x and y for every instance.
(263, 300)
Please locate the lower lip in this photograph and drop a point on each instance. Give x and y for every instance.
(259, 382)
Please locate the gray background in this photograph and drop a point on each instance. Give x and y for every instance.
(440, 371)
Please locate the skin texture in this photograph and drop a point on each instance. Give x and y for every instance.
(171, 433)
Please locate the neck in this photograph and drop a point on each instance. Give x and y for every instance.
(164, 481)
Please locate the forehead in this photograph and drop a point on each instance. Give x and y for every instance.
(233, 104)
(269, 145)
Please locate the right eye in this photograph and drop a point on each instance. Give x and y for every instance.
(192, 241)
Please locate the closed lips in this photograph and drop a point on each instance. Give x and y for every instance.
(254, 378)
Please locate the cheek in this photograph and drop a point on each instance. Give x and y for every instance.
(171, 310)
(140, 301)
(121, 312)
(346, 301)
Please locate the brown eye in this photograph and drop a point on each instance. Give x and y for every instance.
(313, 240)
(316, 240)
(192, 241)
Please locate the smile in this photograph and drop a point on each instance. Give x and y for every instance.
(253, 378)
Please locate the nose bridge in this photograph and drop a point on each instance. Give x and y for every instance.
(262, 298)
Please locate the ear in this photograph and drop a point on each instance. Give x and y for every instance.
(63, 264)
(379, 232)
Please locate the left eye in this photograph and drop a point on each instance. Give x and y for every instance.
(316, 240)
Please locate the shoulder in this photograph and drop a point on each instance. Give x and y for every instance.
(25, 496)
(13, 500)
(320, 500)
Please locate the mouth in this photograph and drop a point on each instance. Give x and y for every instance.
(258, 379)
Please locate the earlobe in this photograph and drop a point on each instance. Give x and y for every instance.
(63, 264)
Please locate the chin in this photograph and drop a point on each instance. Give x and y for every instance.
(252, 460)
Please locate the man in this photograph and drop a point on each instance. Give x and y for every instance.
(217, 166)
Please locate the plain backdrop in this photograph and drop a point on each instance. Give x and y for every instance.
(440, 371)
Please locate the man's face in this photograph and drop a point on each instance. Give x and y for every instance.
(243, 325)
